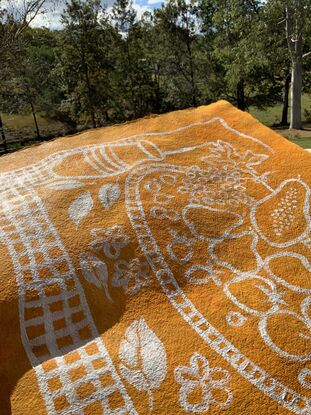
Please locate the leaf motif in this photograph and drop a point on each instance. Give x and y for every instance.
(80, 207)
(264, 176)
(65, 184)
(143, 358)
(95, 271)
(219, 152)
(223, 152)
(108, 194)
(252, 159)
(229, 149)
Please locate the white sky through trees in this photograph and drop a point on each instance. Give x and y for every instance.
(50, 17)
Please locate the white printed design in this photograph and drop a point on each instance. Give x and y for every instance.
(215, 186)
(108, 242)
(285, 216)
(215, 226)
(202, 381)
(304, 378)
(235, 319)
(95, 271)
(108, 195)
(143, 358)
(105, 160)
(80, 207)
(54, 315)
(130, 275)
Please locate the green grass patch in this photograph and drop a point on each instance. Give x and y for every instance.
(304, 142)
(272, 115)
(21, 126)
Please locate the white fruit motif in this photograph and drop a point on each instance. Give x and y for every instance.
(80, 207)
(254, 294)
(207, 223)
(274, 329)
(296, 277)
(109, 194)
(287, 208)
(143, 358)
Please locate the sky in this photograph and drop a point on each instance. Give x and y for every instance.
(51, 16)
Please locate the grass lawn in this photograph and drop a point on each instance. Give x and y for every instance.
(20, 126)
(304, 142)
(272, 115)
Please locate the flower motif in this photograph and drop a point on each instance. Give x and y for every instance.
(109, 241)
(202, 386)
(130, 275)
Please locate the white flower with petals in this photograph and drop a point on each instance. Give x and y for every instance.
(202, 383)
(109, 241)
(131, 275)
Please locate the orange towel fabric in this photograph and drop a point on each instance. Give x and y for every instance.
(157, 267)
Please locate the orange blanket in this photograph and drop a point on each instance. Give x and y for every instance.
(161, 266)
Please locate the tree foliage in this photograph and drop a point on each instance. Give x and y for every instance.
(107, 66)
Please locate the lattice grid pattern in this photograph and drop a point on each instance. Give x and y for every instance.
(74, 370)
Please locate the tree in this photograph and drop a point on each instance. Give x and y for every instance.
(29, 78)
(296, 12)
(155, 60)
(14, 21)
(83, 64)
(240, 49)
(275, 50)
(177, 21)
(124, 17)
(133, 74)
(293, 18)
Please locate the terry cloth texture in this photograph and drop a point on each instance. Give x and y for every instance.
(157, 267)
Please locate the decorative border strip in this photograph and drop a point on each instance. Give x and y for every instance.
(56, 340)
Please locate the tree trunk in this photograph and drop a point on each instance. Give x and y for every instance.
(90, 99)
(107, 118)
(3, 135)
(158, 97)
(193, 88)
(89, 90)
(240, 95)
(284, 120)
(35, 120)
(129, 65)
(296, 88)
(294, 24)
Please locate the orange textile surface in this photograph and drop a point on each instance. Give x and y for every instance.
(157, 267)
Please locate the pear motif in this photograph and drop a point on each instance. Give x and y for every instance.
(282, 218)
